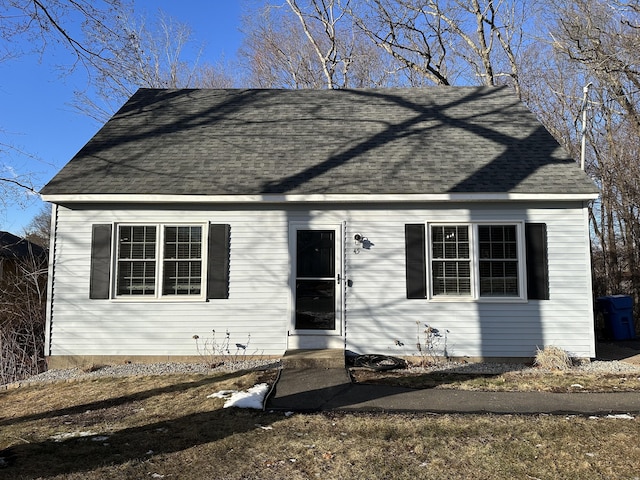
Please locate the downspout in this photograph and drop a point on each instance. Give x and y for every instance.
(583, 140)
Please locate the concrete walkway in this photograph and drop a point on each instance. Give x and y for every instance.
(303, 387)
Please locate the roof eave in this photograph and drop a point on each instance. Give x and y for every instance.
(316, 198)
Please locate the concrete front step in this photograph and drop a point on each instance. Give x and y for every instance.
(301, 359)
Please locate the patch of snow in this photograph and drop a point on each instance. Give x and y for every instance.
(576, 385)
(251, 398)
(58, 437)
(623, 416)
(224, 394)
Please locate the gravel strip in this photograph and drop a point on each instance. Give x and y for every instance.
(129, 369)
(594, 367)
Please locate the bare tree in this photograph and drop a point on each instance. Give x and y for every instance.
(151, 55)
(23, 280)
(447, 42)
(311, 44)
(275, 52)
(326, 15)
(15, 186)
(596, 42)
(39, 229)
(45, 25)
(407, 32)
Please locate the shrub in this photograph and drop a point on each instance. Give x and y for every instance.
(22, 319)
(553, 358)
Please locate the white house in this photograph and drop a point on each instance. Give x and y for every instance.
(319, 219)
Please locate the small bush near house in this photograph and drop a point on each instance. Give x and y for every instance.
(217, 352)
(553, 358)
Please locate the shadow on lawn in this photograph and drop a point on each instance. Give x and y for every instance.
(88, 451)
(125, 399)
(84, 454)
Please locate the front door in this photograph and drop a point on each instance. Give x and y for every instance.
(317, 286)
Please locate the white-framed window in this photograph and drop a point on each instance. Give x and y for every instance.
(476, 261)
(498, 261)
(159, 261)
(450, 260)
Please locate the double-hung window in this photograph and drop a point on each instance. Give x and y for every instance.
(498, 270)
(451, 261)
(182, 261)
(159, 260)
(476, 261)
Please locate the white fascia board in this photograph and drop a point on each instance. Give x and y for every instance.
(318, 198)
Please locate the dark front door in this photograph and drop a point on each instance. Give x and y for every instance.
(317, 280)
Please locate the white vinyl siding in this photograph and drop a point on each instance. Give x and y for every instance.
(376, 310)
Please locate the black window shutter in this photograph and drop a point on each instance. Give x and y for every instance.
(414, 236)
(537, 261)
(218, 265)
(100, 261)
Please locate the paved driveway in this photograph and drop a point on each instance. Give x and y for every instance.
(623, 350)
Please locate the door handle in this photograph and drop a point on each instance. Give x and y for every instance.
(338, 279)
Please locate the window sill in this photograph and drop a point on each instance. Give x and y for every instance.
(460, 299)
(175, 299)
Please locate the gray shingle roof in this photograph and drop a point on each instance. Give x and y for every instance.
(372, 141)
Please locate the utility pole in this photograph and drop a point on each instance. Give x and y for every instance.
(583, 149)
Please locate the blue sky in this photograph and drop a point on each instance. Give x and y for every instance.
(35, 112)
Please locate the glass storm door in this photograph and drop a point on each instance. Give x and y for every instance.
(317, 281)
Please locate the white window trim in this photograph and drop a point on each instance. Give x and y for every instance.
(474, 258)
(158, 296)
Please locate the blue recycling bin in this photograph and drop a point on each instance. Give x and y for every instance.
(618, 316)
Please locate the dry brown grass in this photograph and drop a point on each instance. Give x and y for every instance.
(517, 381)
(553, 358)
(554, 372)
(165, 425)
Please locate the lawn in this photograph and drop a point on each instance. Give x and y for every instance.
(514, 381)
(166, 427)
